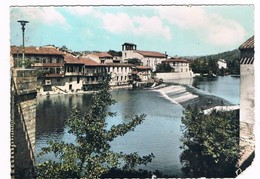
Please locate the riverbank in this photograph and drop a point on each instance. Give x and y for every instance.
(61, 92)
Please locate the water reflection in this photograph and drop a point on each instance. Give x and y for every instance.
(159, 133)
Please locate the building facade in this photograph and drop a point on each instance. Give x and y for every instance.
(103, 57)
(120, 73)
(222, 63)
(142, 73)
(64, 72)
(180, 67)
(148, 58)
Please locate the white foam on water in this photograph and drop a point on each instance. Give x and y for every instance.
(177, 90)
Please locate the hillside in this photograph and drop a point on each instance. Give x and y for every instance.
(228, 56)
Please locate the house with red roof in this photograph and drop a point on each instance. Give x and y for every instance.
(141, 73)
(48, 60)
(148, 58)
(82, 73)
(103, 57)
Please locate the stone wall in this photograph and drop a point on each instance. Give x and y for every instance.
(247, 97)
(174, 76)
(24, 82)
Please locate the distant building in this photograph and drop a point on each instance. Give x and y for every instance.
(47, 59)
(247, 101)
(222, 64)
(148, 58)
(120, 73)
(141, 73)
(181, 69)
(179, 65)
(103, 57)
(82, 73)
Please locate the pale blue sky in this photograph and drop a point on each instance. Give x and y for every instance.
(177, 30)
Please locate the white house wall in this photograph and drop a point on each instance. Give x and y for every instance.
(173, 75)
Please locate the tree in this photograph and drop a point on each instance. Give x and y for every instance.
(200, 65)
(210, 143)
(134, 61)
(164, 67)
(115, 53)
(90, 156)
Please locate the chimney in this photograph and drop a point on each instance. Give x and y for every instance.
(166, 55)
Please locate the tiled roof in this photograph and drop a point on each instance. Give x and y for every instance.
(103, 55)
(151, 53)
(126, 43)
(70, 59)
(118, 64)
(248, 44)
(143, 67)
(176, 60)
(36, 50)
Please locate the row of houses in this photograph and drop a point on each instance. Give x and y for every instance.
(63, 71)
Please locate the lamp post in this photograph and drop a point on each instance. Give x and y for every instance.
(23, 23)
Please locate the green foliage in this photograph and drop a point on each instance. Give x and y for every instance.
(27, 63)
(200, 65)
(163, 67)
(41, 72)
(210, 143)
(134, 61)
(115, 53)
(208, 64)
(90, 156)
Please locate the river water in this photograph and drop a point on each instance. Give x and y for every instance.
(159, 134)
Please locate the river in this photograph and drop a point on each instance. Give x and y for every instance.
(159, 134)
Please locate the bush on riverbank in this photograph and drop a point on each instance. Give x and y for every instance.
(210, 143)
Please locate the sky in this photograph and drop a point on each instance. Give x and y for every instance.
(177, 30)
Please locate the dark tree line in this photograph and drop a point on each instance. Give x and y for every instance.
(209, 65)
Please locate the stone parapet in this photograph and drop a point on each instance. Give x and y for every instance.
(24, 83)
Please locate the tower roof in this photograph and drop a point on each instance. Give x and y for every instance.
(248, 44)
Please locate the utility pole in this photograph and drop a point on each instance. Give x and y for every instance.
(23, 23)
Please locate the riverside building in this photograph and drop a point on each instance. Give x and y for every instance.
(148, 58)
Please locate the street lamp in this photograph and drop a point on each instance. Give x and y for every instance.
(23, 23)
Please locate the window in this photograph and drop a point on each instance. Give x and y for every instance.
(148, 62)
(37, 60)
(78, 79)
(58, 80)
(58, 60)
(58, 71)
(71, 79)
(44, 60)
(52, 70)
(50, 60)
